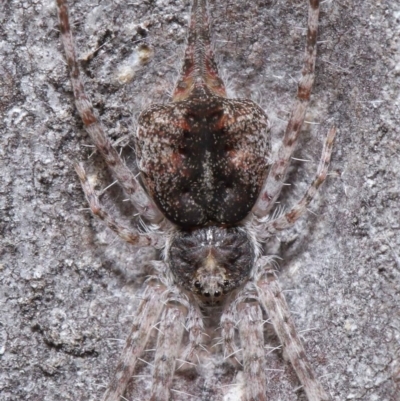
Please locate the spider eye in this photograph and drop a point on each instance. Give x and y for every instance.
(217, 293)
(206, 294)
(197, 284)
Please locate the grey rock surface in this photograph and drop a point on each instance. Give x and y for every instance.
(69, 288)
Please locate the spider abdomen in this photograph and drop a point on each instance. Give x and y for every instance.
(203, 160)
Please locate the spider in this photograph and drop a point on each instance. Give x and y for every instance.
(207, 187)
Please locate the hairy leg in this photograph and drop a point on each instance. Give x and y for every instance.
(125, 177)
(195, 327)
(252, 342)
(288, 219)
(147, 316)
(168, 346)
(228, 330)
(273, 183)
(127, 234)
(274, 302)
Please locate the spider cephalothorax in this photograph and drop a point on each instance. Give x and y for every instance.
(207, 185)
(211, 261)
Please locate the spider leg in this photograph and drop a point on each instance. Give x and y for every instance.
(228, 325)
(93, 126)
(168, 344)
(274, 302)
(274, 181)
(288, 219)
(195, 327)
(146, 317)
(252, 342)
(127, 234)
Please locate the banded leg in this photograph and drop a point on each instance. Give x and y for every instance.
(288, 219)
(146, 317)
(195, 327)
(127, 234)
(276, 176)
(274, 302)
(94, 128)
(252, 342)
(228, 326)
(168, 345)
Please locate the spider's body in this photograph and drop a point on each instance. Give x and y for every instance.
(203, 157)
(212, 261)
(204, 160)
(209, 183)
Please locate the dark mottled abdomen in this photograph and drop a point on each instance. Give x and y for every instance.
(204, 162)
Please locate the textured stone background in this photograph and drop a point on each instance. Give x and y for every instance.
(65, 307)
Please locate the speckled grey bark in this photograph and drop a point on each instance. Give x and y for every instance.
(65, 311)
